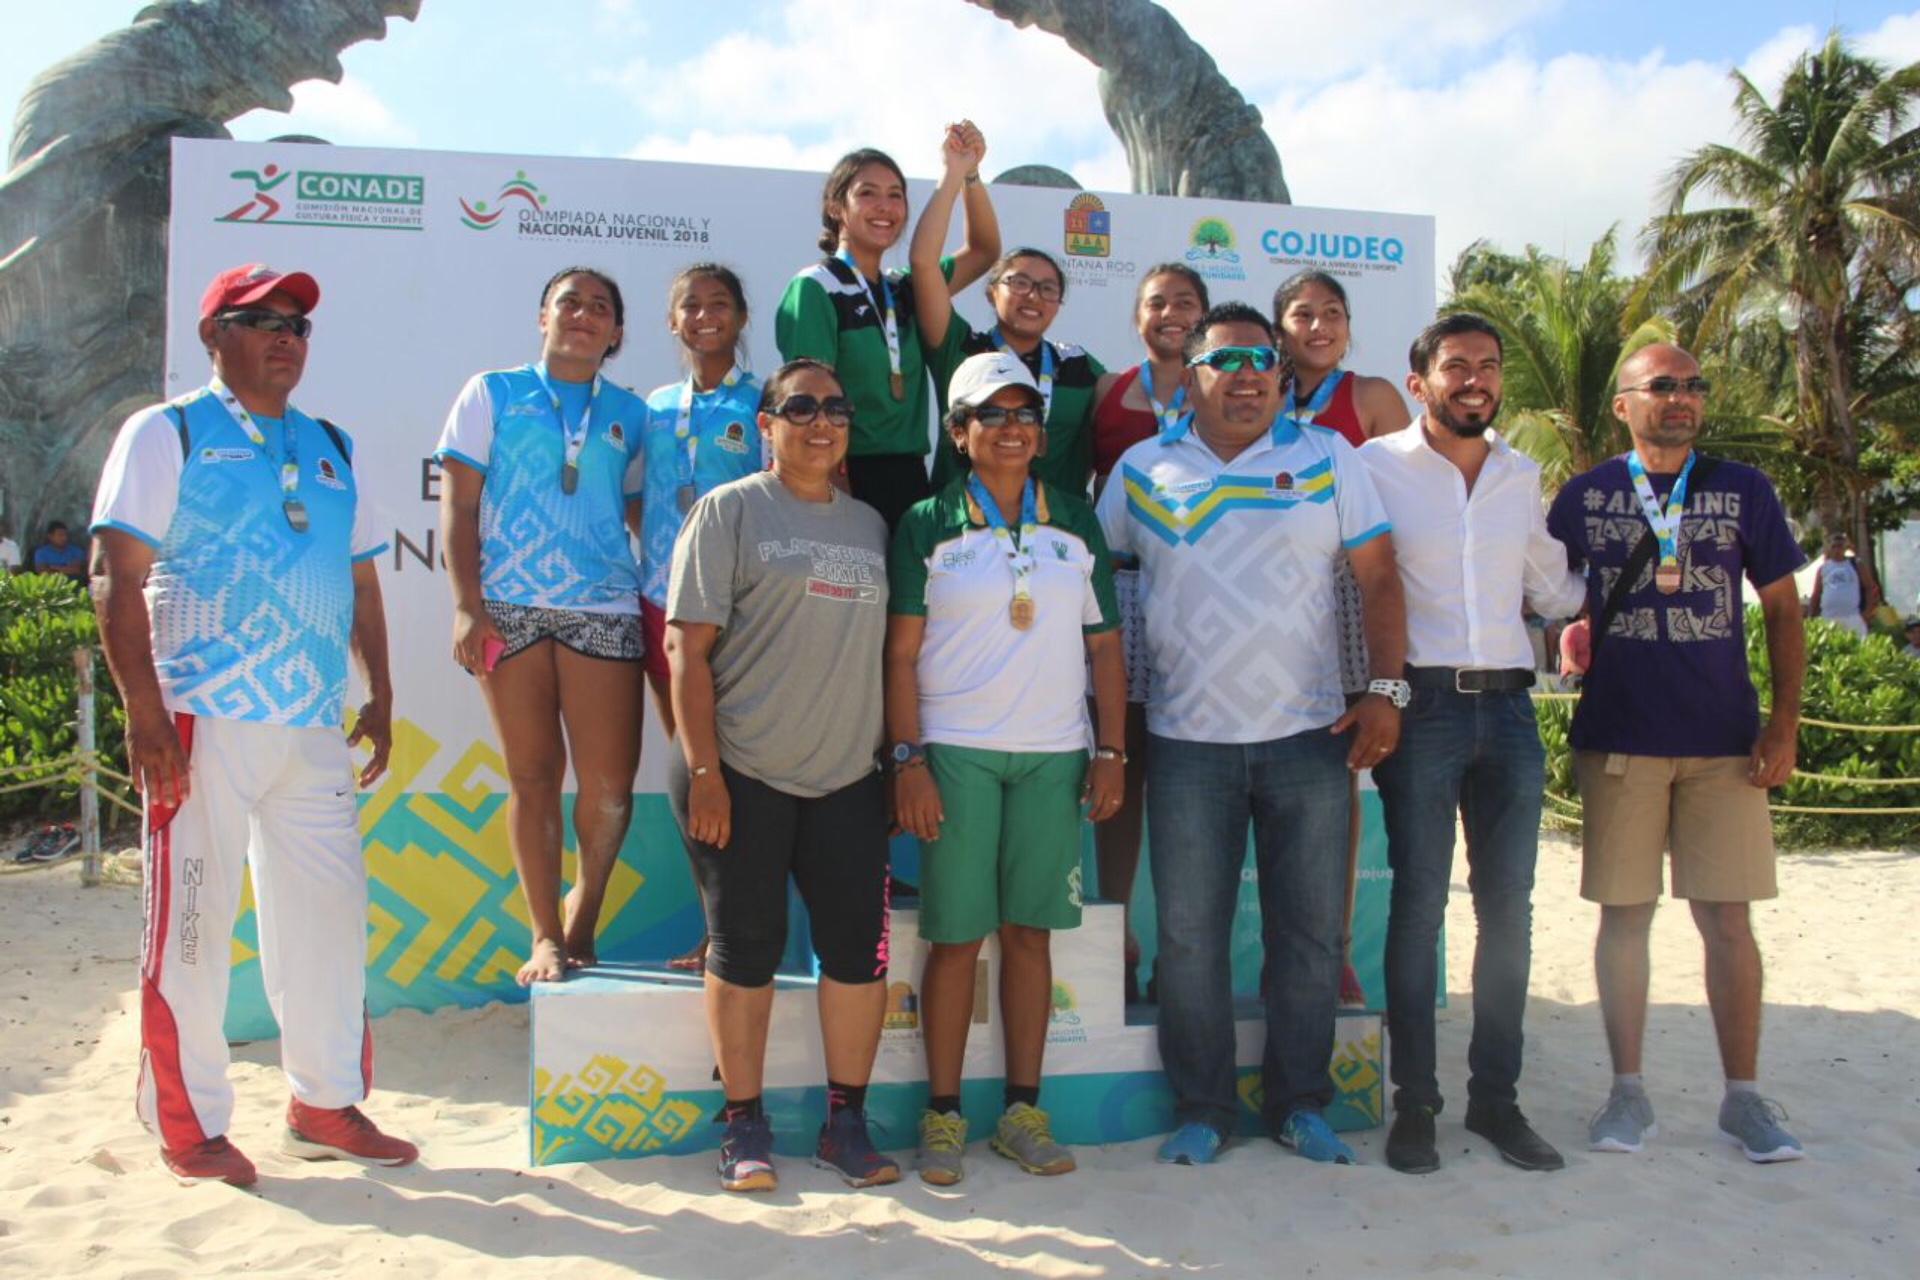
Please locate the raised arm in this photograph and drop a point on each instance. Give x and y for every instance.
(932, 292)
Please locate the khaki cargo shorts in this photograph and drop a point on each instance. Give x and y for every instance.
(1701, 807)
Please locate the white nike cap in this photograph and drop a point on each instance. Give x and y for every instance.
(979, 377)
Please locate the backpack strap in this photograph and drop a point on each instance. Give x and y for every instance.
(179, 417)
(1637, 561)
(339, 439)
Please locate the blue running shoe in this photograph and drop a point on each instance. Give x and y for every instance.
(846, 1149)
(1192, 1143)
(746, 1155)
(1309, 1135)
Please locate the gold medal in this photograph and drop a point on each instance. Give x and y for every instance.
(1667, 578)
(1021, 611)
(899, 386)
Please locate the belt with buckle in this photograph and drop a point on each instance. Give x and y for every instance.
(1471, 679)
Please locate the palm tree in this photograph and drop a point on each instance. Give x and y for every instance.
(1564, 333)
(1826, 194)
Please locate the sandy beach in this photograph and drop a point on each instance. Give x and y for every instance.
(82, 1191)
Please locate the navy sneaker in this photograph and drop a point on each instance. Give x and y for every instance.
(846, 1149)
(746, 1155)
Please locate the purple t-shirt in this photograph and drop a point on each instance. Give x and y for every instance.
(1671, 678)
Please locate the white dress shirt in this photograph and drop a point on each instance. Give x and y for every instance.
(1468, 560)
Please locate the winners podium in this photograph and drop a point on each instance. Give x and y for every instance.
(622, 1066)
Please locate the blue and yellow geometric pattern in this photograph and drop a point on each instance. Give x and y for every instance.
(1186, 516)
(608, 1108)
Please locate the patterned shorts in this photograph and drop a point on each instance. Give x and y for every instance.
(1351, 635)
(615, 636)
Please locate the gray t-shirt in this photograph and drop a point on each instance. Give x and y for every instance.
(799, 592)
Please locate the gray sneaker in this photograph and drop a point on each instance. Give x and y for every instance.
(1623, 1123)
(1752, 1123)
(1025, 1137)
(943, 1141)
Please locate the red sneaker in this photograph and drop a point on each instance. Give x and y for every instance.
(1352, 994)
(341, 1133)
(215, 1160)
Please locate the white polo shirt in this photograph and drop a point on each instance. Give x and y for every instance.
(1236, 576)
(1468, 560)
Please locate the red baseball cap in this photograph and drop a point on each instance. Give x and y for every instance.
(239, 286)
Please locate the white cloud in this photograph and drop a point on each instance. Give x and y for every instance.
(348, 113)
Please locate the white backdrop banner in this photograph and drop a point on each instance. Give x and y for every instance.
(430, 266)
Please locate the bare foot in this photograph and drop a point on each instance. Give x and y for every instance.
(581, 959)
(694, 961)
(546, 963)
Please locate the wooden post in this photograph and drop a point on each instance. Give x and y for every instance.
(89, 778)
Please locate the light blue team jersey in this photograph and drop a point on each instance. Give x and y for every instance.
(251, 619)
(540, 545)
(724, 442)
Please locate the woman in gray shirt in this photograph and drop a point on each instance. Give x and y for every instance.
(776, 618)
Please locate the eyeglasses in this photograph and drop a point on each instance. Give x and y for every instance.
(1234, 359)
(265, 321)
(993, 415)
(1665, 386)
(1020, 286)
(801, 409)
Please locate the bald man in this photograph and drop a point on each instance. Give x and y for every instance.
(1669, 748)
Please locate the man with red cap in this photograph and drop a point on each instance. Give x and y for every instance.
(234, 574)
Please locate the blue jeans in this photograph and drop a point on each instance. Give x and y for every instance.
(1477, 755)
(1204, 794)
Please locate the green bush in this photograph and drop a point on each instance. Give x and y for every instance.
(1849, 681)
(43, 619)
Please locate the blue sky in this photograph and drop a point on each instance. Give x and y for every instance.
(1522, 121)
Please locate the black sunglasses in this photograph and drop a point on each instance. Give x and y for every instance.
(801, 409)
(1665, 386)
(265, 321)
(994, 415)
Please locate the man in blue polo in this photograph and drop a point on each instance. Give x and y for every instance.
(234, 571)
(1237, 517)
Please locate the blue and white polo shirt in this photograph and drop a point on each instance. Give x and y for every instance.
(725, 446)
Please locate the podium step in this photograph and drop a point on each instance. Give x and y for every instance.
(622, 1066)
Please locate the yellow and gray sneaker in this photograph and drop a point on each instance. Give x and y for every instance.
(1024, 1137)
(943, 1140)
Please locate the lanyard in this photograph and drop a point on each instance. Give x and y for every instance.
(1322, 397)
(296, 511)
(1170, 415)
(1666, 524)
(686, 441)
(1046, 370)
(1019, 554)
(576, 437)
(890, 325)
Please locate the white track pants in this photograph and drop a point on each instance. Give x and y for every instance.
(281, 800)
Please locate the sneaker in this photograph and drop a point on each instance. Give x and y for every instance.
(1024, 1137)
(1307, 1133)
(1507, 1129)
(1752, 1123)
(943, 1140)
(341, 1133)
(846, 1149)
(1622, 1123)
(746, 1155)
(1192, 1143)
(1411, 1147)
(215, 1160)
(1352, 994)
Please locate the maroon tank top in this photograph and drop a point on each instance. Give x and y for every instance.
(1117, 428)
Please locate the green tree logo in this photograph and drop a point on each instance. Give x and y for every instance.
(1213, 235)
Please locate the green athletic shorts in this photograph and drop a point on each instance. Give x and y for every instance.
(1009, 851)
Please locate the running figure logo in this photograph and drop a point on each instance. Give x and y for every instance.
(479, 217)
(263, 181)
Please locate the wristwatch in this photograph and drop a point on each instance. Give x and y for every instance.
(1398, 692)
(1110, 753)
(905, 755)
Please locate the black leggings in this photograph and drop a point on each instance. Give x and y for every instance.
(889, 483)
(835, 848)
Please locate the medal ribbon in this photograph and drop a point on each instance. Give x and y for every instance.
(1666, 523)
(1019, 554)
(1322, 397)
(289, 463)
(1046, 370)
(686, 441)
(1170, 416)
(884, 305)
(576, 437)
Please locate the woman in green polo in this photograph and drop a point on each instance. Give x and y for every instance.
(1000, 591)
